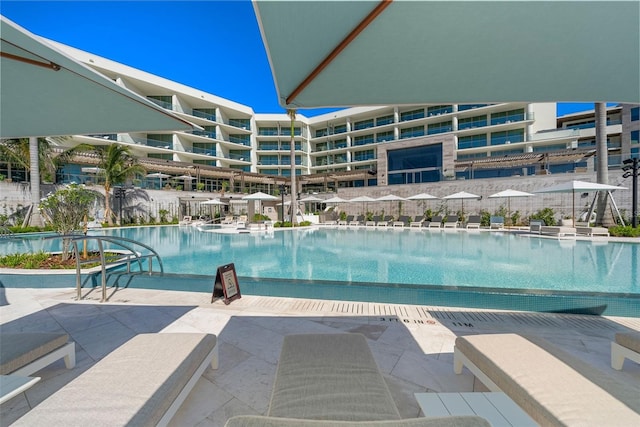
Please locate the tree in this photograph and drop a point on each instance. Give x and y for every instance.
(17, 151)
(118, 165)
(66, 209)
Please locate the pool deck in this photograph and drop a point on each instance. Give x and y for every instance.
(413, 345)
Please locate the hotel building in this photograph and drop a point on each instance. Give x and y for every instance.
(239, 150)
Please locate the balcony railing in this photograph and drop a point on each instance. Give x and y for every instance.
(208, 134)
(204, 115)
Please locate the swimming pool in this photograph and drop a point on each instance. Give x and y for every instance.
(404, 260)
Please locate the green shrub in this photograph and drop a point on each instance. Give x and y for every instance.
(624, 231)
(546, 215)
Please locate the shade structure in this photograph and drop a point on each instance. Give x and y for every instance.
(157, 175)
(346, 51)
(578, 186)
(185, 177)
(422, 196)
(508, 194)
(44, 92)
(462, 195)
(92, 169)
(364, 200)
(310, 199)
(335, 199)
(391, 198)
(259, 196)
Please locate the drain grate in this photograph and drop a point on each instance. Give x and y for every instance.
(458, 317)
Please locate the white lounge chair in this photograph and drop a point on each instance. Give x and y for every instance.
(625, 346)
(558, 231)
(436, 222)
(474, 221)
(496, 223)
(25, 353)
(451, 221)
(584, 229)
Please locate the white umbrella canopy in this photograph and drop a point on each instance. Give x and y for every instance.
(362, 199)
(508, 194)
(310, 199)
(422, 196)
(335, 199)
(462, 195)
(579, 186)
(47, 93)
(185, 177)
(259, 196)
(369, 41)
(157, 175)
(390, 198)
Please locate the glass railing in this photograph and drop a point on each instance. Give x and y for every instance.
(163, 104)
(240, 139)
(240, 123)
(363, 157)
(412, 115)
(474, 143)
(203, 150)
(208, 134)
(363, 141)
(510, 118)
(204, 115)
(500, 140)
(384, 137)
(381, 121)
(593, 124)
(107, 136)
(268, 147)
(438, 110)
(472, 124)
(268, 162)
(465, 107)
(241, 157)
(363, 125)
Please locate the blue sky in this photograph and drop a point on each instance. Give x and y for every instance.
(219, 41)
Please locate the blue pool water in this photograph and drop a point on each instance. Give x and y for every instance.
(396, 265)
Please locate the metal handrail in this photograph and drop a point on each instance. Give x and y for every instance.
(128, 257)
(5, 231)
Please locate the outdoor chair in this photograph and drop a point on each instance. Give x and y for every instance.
(474, 221)
(436, 222)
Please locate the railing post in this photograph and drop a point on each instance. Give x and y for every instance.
(78, 271)
(104, 271)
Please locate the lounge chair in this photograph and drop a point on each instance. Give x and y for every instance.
(451, 221)
(346, 221)
(373, 221)
(583, 229)
(474, 221)
(625, 346)
(186, 220)
(23, 354)
(496, 223)
(358, 221)
(535, 225)
(558, 231)
(403, 221)
(327, 380)
(551, 385)
(385, 221)
(417, 222)
(143, 383)
(436, 222)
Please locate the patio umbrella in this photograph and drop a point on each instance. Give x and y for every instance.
(37, 76)
(579, 186)
(370, 41)
(310, 199)
(213, 202)
(364, 200)
(159, 175)
(462, 195)
(422, 196)
(509, 193)
(391, 198)
(335, 199)
(260, 196)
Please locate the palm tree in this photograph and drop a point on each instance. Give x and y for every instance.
(17, 151)
(118, 165)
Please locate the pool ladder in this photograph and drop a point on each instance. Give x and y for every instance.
(128, 256)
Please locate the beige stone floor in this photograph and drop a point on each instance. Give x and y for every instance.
(413, 345)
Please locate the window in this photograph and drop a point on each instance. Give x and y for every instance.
(241, 123)
(205, 113)
(635, 114)
(360, 156)
(507, 116)
(436, 110)
(286, 131)
(268, 131)
(635, 137)
(364, 124)
(322, 132)
(415, 164)
(384, 120)
(464, 107)
(162, 100)
(507, 137)
(268, 160)
(442, 127)
(472, 122)
(472, 141)
(412, 115)
(384, 136)
(362, 140)
(340, 129)
(412, 132)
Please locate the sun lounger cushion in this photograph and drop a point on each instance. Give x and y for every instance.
(20, 349)
(557, 230)
(552, 386)
(453, 421)
(135, 385)
(330, 377)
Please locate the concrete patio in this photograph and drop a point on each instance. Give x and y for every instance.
(413, 345)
